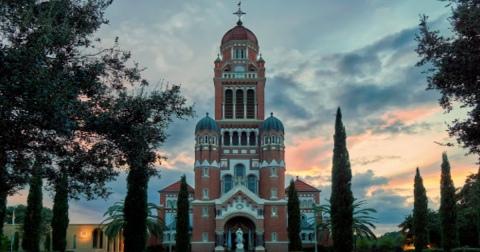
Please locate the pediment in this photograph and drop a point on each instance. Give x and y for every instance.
(232, 195)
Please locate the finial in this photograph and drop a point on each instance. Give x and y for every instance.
(218, 55)
(239, 13)
(271, 114)
(207, 114)
(297, 177)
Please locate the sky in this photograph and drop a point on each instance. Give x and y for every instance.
(355, 54)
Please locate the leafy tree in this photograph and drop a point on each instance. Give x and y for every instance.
(33, 218)
(183, 217)
(16, 241)
(448, 208)
(116, 221)
(342, 198)
(20, 212)
(433, 229)
(5, 243)
(468, 199)
(48, 241)
(293, 227)
(363, 223)
(420, 214)
(60, 215)
(453, 65)
(363, 244)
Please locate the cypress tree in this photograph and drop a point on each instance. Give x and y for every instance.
(293, 219)
(448, 208)
(342, 198)
(420, 214)
(60, 215)
(136, 208)
(33, 218)
(48, 241)
(16, 242)
(183, 217)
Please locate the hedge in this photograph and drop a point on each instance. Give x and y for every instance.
(440, 250)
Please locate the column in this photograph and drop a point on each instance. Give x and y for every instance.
(245, 110)
(231, 138)
(248, 138)
(219, 241)
(223, 139)
(255, 110)
(223, 111)
(234, 117)
(259, 240)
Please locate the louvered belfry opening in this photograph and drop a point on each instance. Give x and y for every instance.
(235, 138)
(239, 110)
(250, 104)
(226, 138)
(229, 104)
(253, 139)
(244, 138)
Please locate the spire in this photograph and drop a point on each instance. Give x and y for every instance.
(207, 114)
(239, 13)
(271, 114)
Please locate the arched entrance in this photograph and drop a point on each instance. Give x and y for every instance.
(248, 228)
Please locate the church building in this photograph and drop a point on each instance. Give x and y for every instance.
(239, 162)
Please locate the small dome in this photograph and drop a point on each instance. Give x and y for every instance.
(239, 32)
(272, 123)
(207, 123)
(218, 58)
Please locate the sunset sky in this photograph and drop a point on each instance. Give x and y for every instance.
(356, 54)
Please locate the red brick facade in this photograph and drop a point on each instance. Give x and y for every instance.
(239, 159)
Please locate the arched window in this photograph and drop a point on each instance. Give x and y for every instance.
(235, 138)
(205, 193)
(205, 171)
(199, 141)
(239, 171)
(174, 204)
(273, 140)
(274, 236)
(310, 237)
(252, 183)
(244, 138)
(253, 139)
(265, 140)
(169, 204)
(279, 140)
(310, 203)
(227, 183)
(250, 104)
(205, 211)
(239, 69)
(304, 203)
(226, 138)
(274, 192)
(239, 110)
(214, 140)
(205, 141)
(273, 171)
(229, 104)
(274, 210)
(304, 236)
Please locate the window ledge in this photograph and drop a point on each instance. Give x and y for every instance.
(274, 215)
(205, 176)
(205, 216)
(205, 198)
(273, 198)
(273, 176)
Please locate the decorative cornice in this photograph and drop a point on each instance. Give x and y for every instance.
(206, 164)
(272, 164)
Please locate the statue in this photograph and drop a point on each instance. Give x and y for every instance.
(239, 239)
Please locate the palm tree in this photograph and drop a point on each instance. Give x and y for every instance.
(116, 221)
(362, 221)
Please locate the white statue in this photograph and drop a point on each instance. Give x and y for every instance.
(239, 239)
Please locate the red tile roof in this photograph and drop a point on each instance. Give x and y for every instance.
(302, 186)
(175, 187)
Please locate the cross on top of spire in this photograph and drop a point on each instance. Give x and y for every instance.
(239, 13)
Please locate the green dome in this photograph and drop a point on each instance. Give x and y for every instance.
(218, 58)
(272, 123)
(260, 59)
(207, 123)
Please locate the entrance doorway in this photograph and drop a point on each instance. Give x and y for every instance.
(248, 229)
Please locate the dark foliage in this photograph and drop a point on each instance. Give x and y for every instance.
(16, 241)
(293, 227)
(433, 227)
(448, 208)
(420, 214)
(342, 198)
(48, 243)
(33, 218)
(21, 211)
(60, 215)
(468, 205)
(183, 219)
(455, 63)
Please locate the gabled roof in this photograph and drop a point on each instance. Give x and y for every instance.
(175, 187)
(303, 187)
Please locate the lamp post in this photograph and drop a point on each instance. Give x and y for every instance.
(355, 237)
(315, 225)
